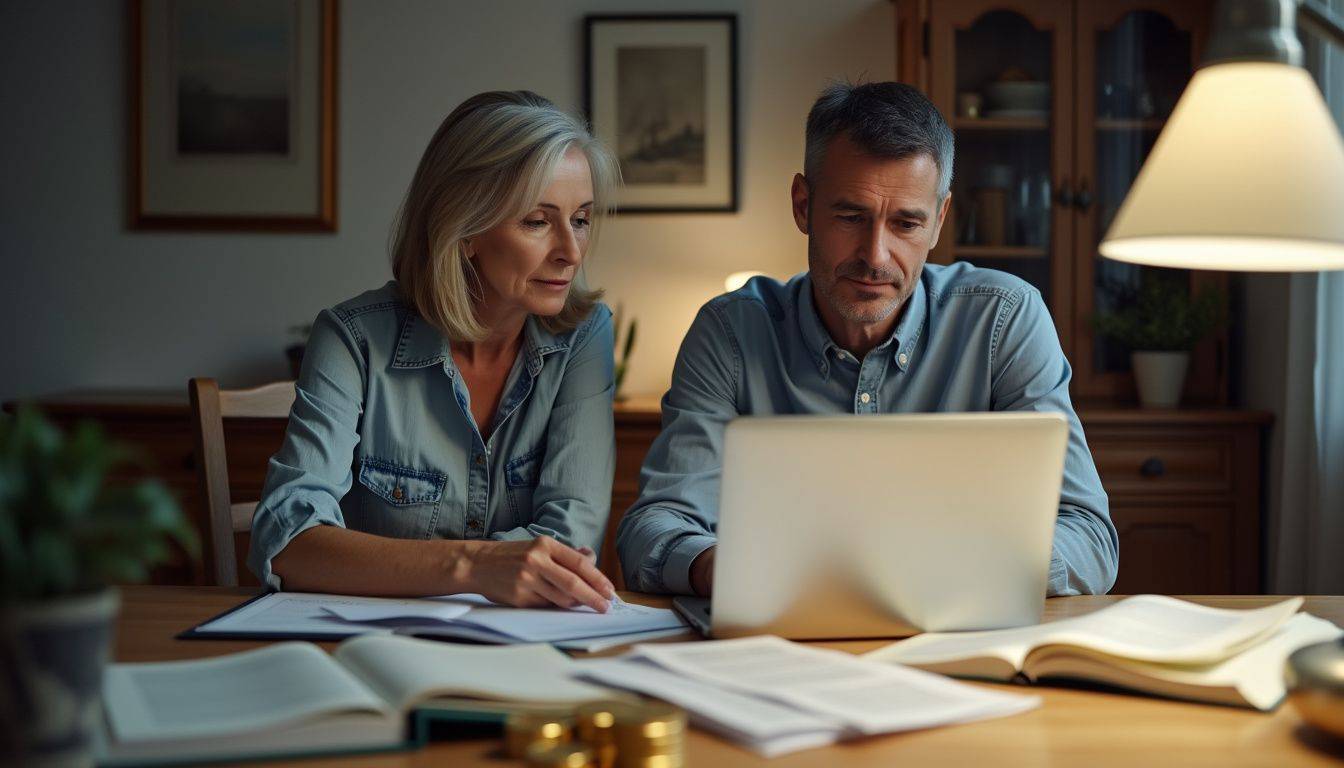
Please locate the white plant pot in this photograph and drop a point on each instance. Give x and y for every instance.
(1160, 377)
(52, 656)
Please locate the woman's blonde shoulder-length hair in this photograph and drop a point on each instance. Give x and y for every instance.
(490, 161)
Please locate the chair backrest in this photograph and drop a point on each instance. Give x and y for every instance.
(210, 408)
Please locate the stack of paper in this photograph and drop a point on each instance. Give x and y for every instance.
(774, 696)
(469, 617)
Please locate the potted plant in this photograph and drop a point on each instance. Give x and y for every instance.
(67, 534)
(1160, 323)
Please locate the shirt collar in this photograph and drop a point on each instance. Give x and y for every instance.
(905, 334)
(420, 344)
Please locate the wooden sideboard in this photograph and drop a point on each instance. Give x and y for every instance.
(1184, 485)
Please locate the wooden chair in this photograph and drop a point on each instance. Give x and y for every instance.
(210, 408)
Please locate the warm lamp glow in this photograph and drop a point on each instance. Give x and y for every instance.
(739, 279)
(1248, 174)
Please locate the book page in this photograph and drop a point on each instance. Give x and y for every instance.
(407, 672)
(1145, 627)
(260, 690)
(867, 697)
(1165, 629)
(1252, 678)
(1010, 645)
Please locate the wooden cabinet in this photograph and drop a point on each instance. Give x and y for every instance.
(1184, 486)
(1055, 105)
(1185, 496)
(1184, 489)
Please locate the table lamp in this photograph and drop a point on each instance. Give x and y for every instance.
(1248, 173)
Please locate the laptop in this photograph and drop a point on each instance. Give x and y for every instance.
(883, 526)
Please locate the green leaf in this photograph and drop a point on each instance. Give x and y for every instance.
(63, 526)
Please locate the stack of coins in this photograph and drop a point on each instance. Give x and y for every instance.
(650, 735)
(595, 725)
(525, 730)
(560, 756)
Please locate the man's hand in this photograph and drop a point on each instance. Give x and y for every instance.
(535, 574)
(702, 572)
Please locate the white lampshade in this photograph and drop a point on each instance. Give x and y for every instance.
(1248, 174)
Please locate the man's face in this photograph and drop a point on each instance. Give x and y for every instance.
(870, 224)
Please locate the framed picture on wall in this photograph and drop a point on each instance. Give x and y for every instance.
(661, 91)
(233, 115)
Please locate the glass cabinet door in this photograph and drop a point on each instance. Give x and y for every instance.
(1134, 60)
(999, 72)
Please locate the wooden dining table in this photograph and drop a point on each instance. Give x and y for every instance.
(1073, 725)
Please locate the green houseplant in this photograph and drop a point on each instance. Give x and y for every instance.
(1160, 322)
(68, 532)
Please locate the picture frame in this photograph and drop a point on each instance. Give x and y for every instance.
(661, 92)
(232, 115)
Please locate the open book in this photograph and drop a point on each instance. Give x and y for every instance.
(293, 698)
(1148, 643)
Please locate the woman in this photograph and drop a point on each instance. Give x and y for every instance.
(452, 430)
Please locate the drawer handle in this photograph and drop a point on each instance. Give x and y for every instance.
(1153, 467)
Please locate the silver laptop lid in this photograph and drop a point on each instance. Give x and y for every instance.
(879, 526)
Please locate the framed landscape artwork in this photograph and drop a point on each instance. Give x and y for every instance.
(233, 114)
(661, 91)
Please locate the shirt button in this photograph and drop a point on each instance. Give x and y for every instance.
(865, 397)
(397, 493)
(474, 525)
(480, 460)
(903, 358)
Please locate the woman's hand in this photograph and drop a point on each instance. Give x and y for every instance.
(535, 574)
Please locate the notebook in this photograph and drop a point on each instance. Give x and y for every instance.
(1148, 643)
(373, 693)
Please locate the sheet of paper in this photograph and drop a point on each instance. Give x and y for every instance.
(260, 690)
(543, 625)
(397, 609)
(605, 642)
(294, 613)
(759, 724)
(866, 696)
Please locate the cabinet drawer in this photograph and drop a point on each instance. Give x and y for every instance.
(1142, 465)
(1174, 550)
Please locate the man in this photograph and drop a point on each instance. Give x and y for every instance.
(869, 328)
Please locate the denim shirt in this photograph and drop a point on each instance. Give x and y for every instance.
(968, 339)
(381, 438)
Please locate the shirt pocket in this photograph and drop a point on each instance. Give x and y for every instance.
(521, 475)
(399, 501)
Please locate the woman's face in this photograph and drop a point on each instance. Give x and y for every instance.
(527, 264)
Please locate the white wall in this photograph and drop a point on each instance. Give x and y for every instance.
(87, 303)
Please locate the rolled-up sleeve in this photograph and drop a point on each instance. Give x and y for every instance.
(307, 478)
(1030, 373)
(677, 513)
(573, 494)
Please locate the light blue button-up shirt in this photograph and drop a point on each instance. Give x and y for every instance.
(381, 437)
(968, 339)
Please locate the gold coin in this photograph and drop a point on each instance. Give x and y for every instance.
(559, 756)
(522, 730)
(650, 735)
(595, 725)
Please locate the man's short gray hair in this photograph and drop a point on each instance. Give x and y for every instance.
(887, 120)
